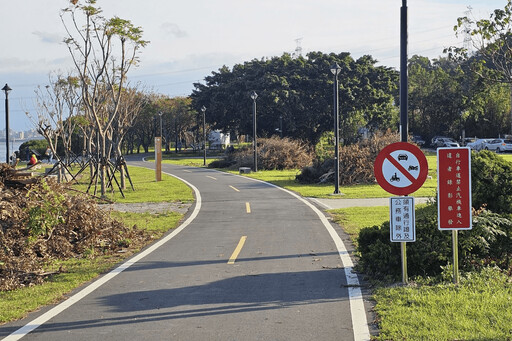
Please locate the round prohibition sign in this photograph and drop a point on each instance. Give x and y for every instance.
(401, 168)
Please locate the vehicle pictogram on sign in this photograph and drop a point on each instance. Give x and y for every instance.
(401, 168)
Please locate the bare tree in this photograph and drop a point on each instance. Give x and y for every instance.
(57, 105)
(103, 51)
(129, 109)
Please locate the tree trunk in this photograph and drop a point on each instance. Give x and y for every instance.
(103, 166)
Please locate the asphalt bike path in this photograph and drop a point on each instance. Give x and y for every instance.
(250, 262)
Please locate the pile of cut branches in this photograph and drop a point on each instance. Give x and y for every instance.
(42, 221)
(355, 162)
(273, 153)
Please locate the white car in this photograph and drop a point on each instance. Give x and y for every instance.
(478, 144)
(445, 142)
(499, 145)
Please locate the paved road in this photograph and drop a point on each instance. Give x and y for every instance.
(291, 279)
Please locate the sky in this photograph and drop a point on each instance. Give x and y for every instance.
(191, 39)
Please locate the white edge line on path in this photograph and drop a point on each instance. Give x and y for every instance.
(29, 327)
(357, 310)
(327, 207)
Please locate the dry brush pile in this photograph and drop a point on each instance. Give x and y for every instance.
(273, 153)
(356, 162)
(42, 221)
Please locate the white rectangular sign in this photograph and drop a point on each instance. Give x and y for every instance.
(402, 222)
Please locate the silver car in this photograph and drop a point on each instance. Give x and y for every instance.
(478, 144)
(445, 142)
(499, 145)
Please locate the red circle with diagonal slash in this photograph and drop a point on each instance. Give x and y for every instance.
(392, 159)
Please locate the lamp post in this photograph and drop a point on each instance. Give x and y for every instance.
(335, 69)
(254, 95)
(6, 89)
(203, 110)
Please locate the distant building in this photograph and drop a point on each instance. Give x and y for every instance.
(218, 139)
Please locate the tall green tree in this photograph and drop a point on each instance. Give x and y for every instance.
(492, 60)
(299, 93)
(436, 97)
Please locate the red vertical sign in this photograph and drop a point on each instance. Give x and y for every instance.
(454, 188)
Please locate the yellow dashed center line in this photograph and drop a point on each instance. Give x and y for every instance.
(248, 207)
(211, 177)
(237, 250)
(234, 188)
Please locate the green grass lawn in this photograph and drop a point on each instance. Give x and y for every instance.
(480, 308)
(286, 179)
(17, 303)
(353, 219)
(147, 189)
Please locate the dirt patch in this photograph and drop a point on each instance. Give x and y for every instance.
(149, 207)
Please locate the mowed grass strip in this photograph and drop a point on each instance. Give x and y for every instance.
(147, 189)
(480, 308)
(353, 219)
(191, 162)
(286, 179)
(18, 303)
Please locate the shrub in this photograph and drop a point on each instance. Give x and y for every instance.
(356, 162)
(324, 149)
(489, 242)
(273, 153)
(37, 146)
(491, 182)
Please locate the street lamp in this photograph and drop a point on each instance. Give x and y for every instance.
(335, 69)
(6, 89)
(203, 110)
(254, 95)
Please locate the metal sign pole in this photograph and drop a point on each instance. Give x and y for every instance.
(404, 262)
(403, 107)
(455, 240)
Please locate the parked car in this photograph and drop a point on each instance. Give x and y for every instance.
(499, 145)
(465, 141)
(444, 142)
(478, 144)
(418, 140)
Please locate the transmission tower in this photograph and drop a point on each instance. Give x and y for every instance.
(468, 44)
(298, 49)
